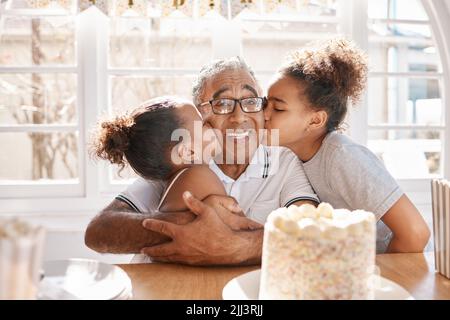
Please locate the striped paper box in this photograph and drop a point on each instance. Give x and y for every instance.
(441, 225)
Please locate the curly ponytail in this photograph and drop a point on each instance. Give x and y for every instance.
(112, 139)
(141, 139)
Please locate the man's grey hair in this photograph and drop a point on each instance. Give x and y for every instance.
(214, 68)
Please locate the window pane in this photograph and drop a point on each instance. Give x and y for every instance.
(397, 9)
(38, 98)
(387, 56)
(26, 41)
(267, 45)
(159, 42)
(378, 9)
(408, 154)
(405, 101)
(38, 156)
(407, 9)
(129, 92)
(400, 32)
(402, 48)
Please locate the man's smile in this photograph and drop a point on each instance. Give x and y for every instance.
(238, 134)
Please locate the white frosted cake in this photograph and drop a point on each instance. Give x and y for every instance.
(318, 254)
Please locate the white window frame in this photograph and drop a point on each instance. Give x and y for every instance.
(439, 18)
(95, 190)
(34, 198)
(58, 188)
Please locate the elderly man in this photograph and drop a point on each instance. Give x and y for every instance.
(229, 98)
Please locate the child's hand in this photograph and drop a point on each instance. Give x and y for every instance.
(228, 203)
(231, 214)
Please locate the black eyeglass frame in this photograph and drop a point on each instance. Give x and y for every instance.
(236, 101)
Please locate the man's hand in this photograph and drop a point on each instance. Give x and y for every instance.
(205, 241)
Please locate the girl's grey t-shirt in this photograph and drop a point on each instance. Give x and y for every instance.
(349, 176)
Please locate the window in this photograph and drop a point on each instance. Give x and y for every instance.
(269, 37)
(405, 99)
(39, 103)
(63, 63)
(150, 57)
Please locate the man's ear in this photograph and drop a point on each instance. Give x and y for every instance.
(318, 120)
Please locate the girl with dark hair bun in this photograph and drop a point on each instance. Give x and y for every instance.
(158, 141)
(307, 103)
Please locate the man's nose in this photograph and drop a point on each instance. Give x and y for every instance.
(238, 116)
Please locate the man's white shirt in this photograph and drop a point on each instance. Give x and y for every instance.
(274, 178)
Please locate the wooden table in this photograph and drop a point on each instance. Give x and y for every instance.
(414, 272)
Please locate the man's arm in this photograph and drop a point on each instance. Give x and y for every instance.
(118, 229)
(205, 241)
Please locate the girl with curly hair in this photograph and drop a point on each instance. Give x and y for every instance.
(307, 102)
(145, 140)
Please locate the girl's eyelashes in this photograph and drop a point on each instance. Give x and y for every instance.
(274, 107)
(277, 109)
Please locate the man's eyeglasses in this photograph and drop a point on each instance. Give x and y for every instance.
(227, 106)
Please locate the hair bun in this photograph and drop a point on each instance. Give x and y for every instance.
(112, 139)
(338, 62)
